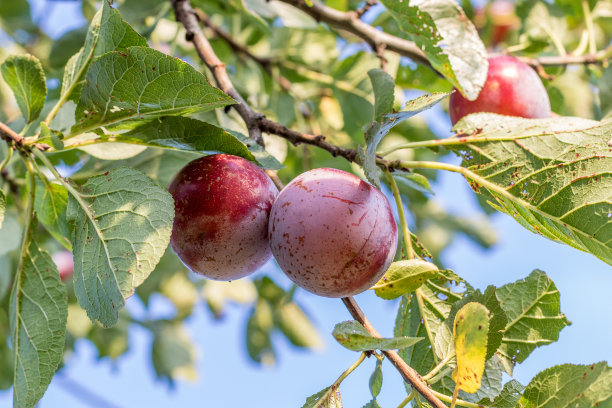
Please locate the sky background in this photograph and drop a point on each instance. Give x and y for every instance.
(227, 378)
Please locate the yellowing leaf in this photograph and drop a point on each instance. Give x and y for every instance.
(470, 333)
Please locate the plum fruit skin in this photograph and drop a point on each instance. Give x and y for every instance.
(222, 204)
(332, 233)
(512, 88)
(65, 264)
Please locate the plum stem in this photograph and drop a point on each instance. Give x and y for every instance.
(402, 215)
(409, 374)
(409, 398)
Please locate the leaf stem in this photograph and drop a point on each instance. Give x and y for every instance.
(458, 401)
(6, 159)
(439, 367)
(402, 216)
(455, 395)
(588, 19)
(409, 398)
(336, 383)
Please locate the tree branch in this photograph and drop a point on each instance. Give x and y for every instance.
(349, 21)
(408, 373)
(11, 136)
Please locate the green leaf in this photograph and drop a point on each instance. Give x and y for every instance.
(110, 342)
(535, 319)
(376, 379)
(141, 83)
(107, 32)
(384, 92)
(2, 207)
(378, 130)
(569, 385)
(219, 293)
(470, 330)
(25, 76)
(10, 235)
(415, 181)
(552, 175)
(352, 335)
(404, 277)
(326, 398)
(296, 326)
(259, 328)
(173, 354)
(448, 39)
(122, 224)
(50, 206)
(38, 313)
(508, 398)
(372, 404)
(186, 134)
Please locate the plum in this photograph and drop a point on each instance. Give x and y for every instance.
(512, 88)
(222, 204)
(332, 233)
(65, 264)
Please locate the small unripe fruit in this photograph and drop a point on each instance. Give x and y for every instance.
(65, 264)
(332, 233)
(222, 204)
(512, 88)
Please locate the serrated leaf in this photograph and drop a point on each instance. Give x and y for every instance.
(38, 313)
(352, 335)
(296, 326)
(122, 223)
(326, 398)
(404, 277)
(384, 92)
(448, 39)
(376, 379)
(378, 130)
(508, 398)
(569, 385)
(50, 206)
(107, 32)
(415, 181)
(173, 353)
(192, 135)
(25, 76)
(141, 83)
(372, 404)
(470, 332)
(534, 316)
(551, 175)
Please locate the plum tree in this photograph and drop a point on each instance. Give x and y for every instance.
(222, 203)
(512, 88)
(332, 233)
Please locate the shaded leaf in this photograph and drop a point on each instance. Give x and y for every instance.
(404, 277)
(354, 336)
(384, 92)
(141, 83)
(2, 207)
(534, 316)
(415, 181)
(326, 398)
(38, 313)
(296, 326)
(509, 396)
(470, 330)
(122, 223)
(376, 379)
(448, 39)
(551, 175)
(50, 205)
(25, 76)
(10, 235)
(259, 328)
(173, 353)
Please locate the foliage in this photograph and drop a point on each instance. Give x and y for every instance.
(121, 104)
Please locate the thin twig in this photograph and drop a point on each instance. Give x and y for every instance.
(408, 373)
(11, 136)
(366, 7)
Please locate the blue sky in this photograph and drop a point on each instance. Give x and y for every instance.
(227, 378)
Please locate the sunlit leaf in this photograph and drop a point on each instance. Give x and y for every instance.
(354, 336)
(404, 277)
(25, 76)
(470, 332)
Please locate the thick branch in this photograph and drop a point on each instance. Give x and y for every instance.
(187, 16)
(11, 136)
(408, 373)
(349, 21)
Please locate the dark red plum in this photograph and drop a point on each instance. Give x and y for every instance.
(222, 204)
(512, 88)
(332, 233)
